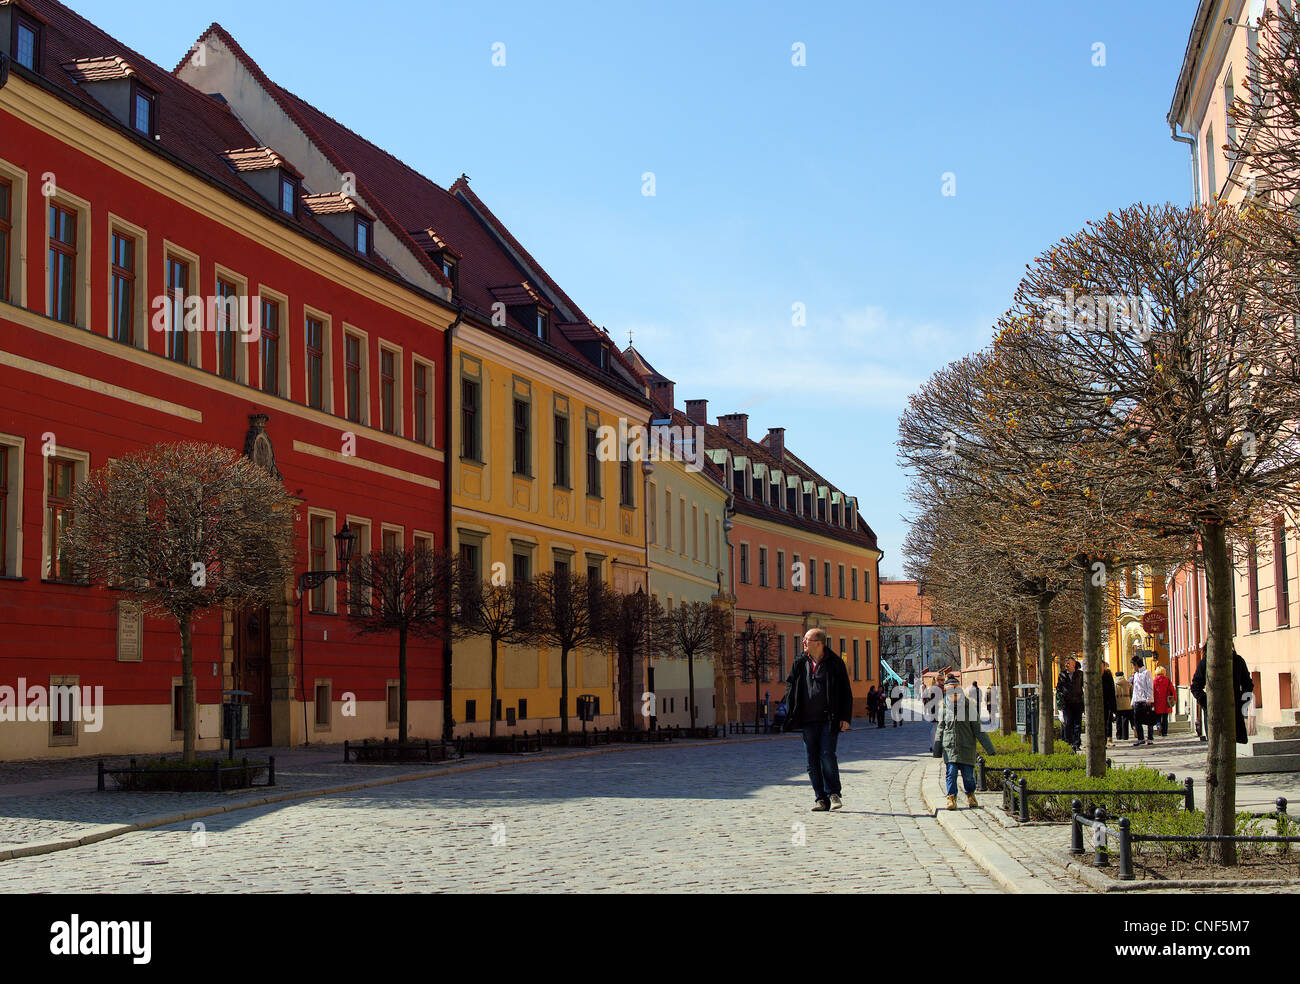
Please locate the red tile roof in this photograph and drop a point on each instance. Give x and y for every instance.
(258, 159)
(333, 203)
(406, 200)
(194, 130)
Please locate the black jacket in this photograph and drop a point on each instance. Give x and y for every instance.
(1108, 692)
(839, 690)
(1069, 688)
(1242, 684)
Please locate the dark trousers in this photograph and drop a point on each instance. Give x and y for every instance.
(1122, 719)
(1164, 725)
(819, 741)
(880, 716)
(1110, 724)
(1143, 716)
(1072, 729)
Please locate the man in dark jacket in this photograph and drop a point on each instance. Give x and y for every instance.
(1242, 684)
(819, 699)
(1108, 698)
(1069, 692)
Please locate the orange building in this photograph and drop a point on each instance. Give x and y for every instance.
(801, 558)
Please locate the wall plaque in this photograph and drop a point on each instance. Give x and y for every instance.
(130, 632)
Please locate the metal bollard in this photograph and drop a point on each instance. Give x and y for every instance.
(1189, 800)
(1282, 824)
(270, 772)
(1125, 851)
(1076, 827)
(1102, 858)
(1024, 801)
(101, 775)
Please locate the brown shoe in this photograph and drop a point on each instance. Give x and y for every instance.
(822, 806)
(970, 800)
(952, 801)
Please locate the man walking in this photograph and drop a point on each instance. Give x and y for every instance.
(1143, 697)
(1069, 691)
(819, 699)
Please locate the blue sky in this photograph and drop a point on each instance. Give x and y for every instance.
(775, 185)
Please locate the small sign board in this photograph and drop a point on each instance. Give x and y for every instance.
(130, 632)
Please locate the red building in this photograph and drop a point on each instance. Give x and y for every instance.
(121, 189)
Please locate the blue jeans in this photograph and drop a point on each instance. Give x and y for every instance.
(819, 740)
(967, 778)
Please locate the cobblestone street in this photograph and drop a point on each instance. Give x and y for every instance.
(706, 818)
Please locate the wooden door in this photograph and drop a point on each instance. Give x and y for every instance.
(252, 672)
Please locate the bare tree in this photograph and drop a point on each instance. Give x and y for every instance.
(634, 629)
(691, 631)
(184, 529)
(752, 657)
(404, 590)
(571, 611)
(503, 613)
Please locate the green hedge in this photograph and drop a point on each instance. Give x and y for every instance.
(1185, 823)
(161, 775)
(1113, 791)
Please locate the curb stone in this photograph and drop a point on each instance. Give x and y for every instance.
(106, 831)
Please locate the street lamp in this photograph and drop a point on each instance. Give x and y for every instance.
(746, 641)
(345, 541)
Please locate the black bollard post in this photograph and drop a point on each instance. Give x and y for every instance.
(1102, 858)
(1076, 827)
(101, 775)
(1125, 851)
(1024, 801)
(270, 772)
(1189, 799)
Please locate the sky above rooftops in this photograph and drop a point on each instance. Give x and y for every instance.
(775, 185)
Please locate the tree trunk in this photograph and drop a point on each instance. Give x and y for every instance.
(690, 683)
(564, 691)
(402, 721)
(1094, 709)
(1007, 693)
(448, 723)
(758, 707)
(1046, 695)
(1220, 712)
(188, 716)
(492, 700)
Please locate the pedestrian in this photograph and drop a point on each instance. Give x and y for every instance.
(1242, 684)
(1163, 691)
(896, 705)
(1143, 696)
(957, 732)
(1198, 698)
(819, 699)
(873, 696)
(880, 707)
(1108, 700)
(1069, 694)
(1123, 705)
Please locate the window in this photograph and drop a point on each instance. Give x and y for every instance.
(387, 392)
(178, 287)
(323, 705)
(780, 655)
(593, 464)
(270, 347)
(744, 563)
(6, 235)
(364, 233)
(796, 580)
(521, 437)
(780, 569)
(423, 404)
(791, 499)
(62, 481)
(866, 593)
(469, 555)
(853, 582)
(471, 710)
(228, 312)
(288, 195)
(143, 104)
(178, 708)
(1280, 573)
(866, 651)
(857, 674)
(821, 508)
(762, 567)
(361, 527)
(469, 419)
(315, 363)
(1230, 125)
(523, 708)
(625, 479)
(812, 575)
(562, 457)
(1210, 154)
(523, 567)
(123, 327)
(561, 566)
(668, 519)
(1253, 585)
(391, 541)
(449, 271)
(27, 42)
(695, 532)
(352, 375)
(63, 264)
(6, 454)
(841, 581)
(319, 534)
(807, 504)
(541, 324)
(681, 512)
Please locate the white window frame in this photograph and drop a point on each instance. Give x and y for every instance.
(330, 587)
(17, 179)
(85, 259)
(327, 359)
(17, 448)
(81, 461)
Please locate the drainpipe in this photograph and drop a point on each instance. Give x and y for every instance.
(1195, 162)
(447, 723)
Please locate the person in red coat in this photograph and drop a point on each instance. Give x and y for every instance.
(1163, 699)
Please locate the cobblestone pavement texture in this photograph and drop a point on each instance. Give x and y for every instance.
(706, 818)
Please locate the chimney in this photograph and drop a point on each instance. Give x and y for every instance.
(663, 392)
(735, 424)
(698, 411)
(776, 443)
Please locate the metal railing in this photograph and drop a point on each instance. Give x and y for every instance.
(122, 775)
(982, 772)
(1125, 838)
(396, 751)
(1016, 793)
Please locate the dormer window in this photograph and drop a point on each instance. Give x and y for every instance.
(143, 105)
(27, 42)
(365, 233)
(288, 194)
(541, 331)
(449, 271)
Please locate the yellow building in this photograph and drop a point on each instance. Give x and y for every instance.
(1134, 591)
